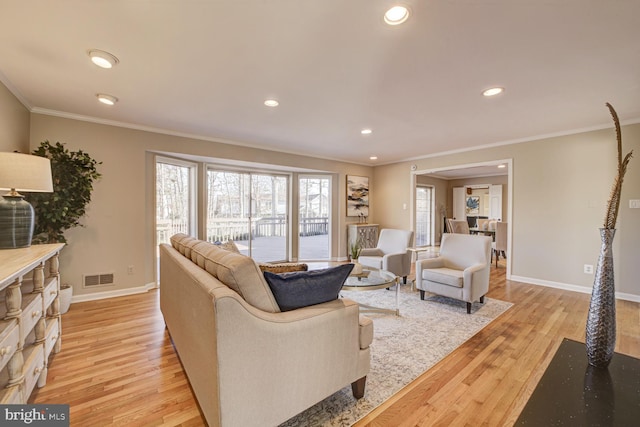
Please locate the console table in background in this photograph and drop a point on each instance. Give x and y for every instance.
(366, 234)
(30, 322)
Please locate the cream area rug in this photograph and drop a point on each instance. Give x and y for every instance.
(403, 348)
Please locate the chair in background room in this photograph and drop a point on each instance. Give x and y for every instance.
(460, 272)
(459, 226)
(482, 224)
(499, 246)
(391, 253)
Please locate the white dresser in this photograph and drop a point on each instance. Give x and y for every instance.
(30, 322)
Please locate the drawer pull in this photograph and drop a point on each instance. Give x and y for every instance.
(5, 350)
(53, 292)
(37, 370)
(55, 337)
(36, 313)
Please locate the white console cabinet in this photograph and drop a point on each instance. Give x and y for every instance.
(365, 234)
(30, 322)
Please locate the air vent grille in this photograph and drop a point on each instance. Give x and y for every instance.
(101, 279)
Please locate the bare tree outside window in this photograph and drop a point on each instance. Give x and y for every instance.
(173, 200)
(250, 209)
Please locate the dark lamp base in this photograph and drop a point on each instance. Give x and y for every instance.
(16, 222)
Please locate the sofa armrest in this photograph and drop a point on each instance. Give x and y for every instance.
(291, 359)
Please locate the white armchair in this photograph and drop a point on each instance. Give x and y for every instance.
(460, 272)
(391, 253)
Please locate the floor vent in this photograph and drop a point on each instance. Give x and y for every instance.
(104, 279)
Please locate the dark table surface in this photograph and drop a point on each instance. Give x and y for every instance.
(572, 393)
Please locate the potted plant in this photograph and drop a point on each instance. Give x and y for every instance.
(73, 174)
(354, 250)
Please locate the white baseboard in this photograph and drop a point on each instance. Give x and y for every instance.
(113, 294)
(567, 287)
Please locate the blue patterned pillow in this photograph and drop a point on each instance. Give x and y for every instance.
(304, 288)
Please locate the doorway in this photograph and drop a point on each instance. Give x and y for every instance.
(466, 174)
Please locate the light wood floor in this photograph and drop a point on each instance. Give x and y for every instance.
(118, 367)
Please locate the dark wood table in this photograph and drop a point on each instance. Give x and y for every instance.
(572, 393)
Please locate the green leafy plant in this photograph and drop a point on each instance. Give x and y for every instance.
(613, 204)
(73, 174)
(354, 250)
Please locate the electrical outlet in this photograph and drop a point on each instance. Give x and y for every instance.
(634, 204)
(130, 270)
(588, 269)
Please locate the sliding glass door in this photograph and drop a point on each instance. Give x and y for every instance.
(251, 209)
(314, 208)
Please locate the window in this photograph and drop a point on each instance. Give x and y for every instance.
(175, 198)
(251, 209)
(424, 215)
(314, 209)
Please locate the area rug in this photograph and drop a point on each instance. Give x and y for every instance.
(403, 348)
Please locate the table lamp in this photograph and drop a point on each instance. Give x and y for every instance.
(20, 172)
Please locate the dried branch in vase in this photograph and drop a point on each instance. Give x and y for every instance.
(613, 205)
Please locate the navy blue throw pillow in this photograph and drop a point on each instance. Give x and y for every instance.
(304, 288)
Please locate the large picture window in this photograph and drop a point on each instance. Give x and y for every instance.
(251, 209)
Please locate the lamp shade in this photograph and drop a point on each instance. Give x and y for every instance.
(25, 172)
(20, 172)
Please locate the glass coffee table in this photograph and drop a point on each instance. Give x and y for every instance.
(373, 279)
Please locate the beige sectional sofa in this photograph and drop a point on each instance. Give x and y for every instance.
(249, 364)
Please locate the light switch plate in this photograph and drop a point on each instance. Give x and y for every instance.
(634, 204)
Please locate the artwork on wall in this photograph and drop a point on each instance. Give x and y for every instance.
(357, 195)
(473, 205)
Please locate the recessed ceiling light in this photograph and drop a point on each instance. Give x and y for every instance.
(493, 91)
(366, 131)
(102, 59)
(271, 103)
(373, 158)
(502, 166)
(396, 15)
(107, 99)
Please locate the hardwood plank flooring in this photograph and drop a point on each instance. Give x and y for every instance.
(118, 367)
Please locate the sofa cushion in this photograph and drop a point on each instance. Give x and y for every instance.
(229, 245)
(446, 276)
(283, 267)
(237, 271)
(304, 288)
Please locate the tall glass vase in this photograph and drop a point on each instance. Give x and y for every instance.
(601, 322)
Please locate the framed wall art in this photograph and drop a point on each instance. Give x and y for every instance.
(357, 195)
(473, 205)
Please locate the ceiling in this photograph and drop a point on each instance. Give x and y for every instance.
(204, 69)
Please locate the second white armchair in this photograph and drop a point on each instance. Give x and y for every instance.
(391, 253)
(460, 272)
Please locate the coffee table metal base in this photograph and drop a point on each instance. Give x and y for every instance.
(365, 308)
